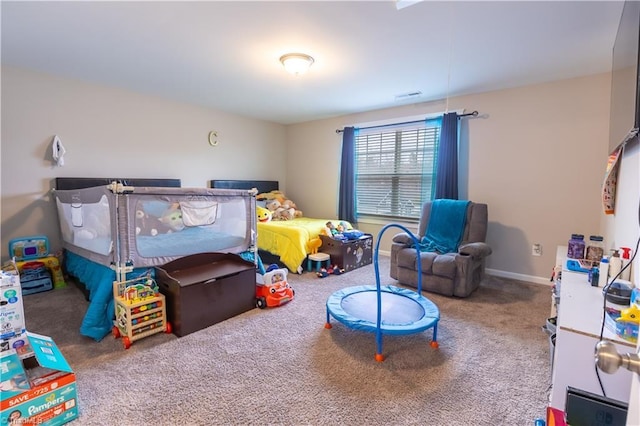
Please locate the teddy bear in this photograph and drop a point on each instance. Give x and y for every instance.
(282, 208)
(273, 205)
(285, 214)
(288, 204)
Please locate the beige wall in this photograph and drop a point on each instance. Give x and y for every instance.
(114, 133)
(536, 156)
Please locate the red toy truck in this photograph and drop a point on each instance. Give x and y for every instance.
(275, 290)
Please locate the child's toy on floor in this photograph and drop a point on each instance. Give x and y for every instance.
(274, 290)
(314, 244)
(29, 248)
(36, 247)
(34, 278)
(331, 270)
(140, 310)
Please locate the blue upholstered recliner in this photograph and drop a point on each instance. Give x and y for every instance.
(452, 274)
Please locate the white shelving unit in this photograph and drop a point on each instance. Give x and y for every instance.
(580, 317)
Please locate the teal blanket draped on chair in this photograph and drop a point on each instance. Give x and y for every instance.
(446, 226)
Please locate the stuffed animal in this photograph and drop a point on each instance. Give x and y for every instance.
(172, 219)
(285, 214)
(314, 244)
(264, 215)
(273, 195)
(330, 229)
(281, 207)
(273, 205)
(288, 204)
(345, 226)
(148, 225)
(143, 224)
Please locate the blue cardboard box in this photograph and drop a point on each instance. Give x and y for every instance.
(37, 385)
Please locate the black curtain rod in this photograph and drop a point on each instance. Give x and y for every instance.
(474, 114)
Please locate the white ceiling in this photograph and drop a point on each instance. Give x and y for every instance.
(224, 55)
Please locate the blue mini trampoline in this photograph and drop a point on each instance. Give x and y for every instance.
(399, 310)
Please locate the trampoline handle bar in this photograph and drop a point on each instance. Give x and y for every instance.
(416, 244)
(376, 267)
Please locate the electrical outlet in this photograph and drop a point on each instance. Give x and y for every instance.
(536, 249)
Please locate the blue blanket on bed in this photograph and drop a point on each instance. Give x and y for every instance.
(98, 280)
(446, 226)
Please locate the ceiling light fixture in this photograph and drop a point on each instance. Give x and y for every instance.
(296, 63)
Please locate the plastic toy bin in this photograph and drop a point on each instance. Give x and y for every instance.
(206, 288)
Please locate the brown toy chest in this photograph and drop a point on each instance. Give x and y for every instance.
(348, 254)
(206, 288)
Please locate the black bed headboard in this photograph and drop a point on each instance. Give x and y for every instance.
(260, 185)
(63, 183)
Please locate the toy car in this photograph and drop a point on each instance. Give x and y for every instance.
(275, 289)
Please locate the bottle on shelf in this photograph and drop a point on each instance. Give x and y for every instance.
(576, 247)
(615, 264)
(595, 248)
(603, 278)
(594, 276)
(626, 257)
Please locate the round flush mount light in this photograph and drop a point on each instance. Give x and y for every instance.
(296, 63)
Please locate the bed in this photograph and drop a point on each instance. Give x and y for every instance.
(115, 229)
(283, 241)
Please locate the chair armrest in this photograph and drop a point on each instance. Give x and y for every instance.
(475, 250)
(403, 238)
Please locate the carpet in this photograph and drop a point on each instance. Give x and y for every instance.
(280, 366)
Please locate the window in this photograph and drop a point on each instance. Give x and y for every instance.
(396, 168)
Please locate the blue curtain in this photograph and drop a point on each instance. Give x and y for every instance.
(447, 168)
(347, 193)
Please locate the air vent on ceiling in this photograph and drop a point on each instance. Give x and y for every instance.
(405, 96)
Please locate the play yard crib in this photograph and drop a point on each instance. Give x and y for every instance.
(114, 230)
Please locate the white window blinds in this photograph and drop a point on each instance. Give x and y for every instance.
(395, 169)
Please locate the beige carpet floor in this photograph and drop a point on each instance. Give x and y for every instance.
(281, 366)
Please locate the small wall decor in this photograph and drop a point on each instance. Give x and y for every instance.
(611, 181)
(213, 138)
(58, 151)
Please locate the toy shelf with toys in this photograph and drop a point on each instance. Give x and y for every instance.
(140, 310)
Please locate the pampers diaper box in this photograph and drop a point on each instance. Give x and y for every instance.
(37, 385)
(11, 310)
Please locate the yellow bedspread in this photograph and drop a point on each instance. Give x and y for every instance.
(288, 238)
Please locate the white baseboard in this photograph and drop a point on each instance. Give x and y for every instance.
(519, 277)
(503, 274)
